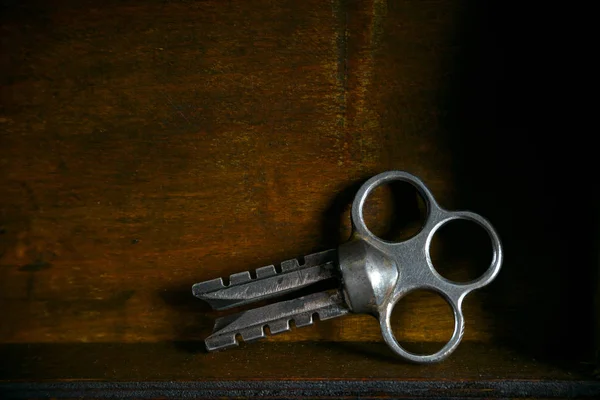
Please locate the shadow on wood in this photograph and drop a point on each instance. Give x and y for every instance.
(521, 161)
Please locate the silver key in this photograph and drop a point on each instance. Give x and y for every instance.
(372, 275)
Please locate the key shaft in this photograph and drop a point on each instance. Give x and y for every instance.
(251, 324)
(243, 289)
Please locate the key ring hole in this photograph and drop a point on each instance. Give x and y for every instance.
(422, 322)
(461, 250)
(395, 211)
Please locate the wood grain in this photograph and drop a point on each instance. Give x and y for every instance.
(296, 361)
(149, 145)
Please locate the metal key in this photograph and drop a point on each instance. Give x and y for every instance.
(373, 274)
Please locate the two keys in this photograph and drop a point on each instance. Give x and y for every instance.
(373, 275)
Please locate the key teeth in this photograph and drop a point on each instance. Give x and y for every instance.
(279, 326)
(302, 320)
(265, 272)
(253, 333)
(207, 286)
(284, 325)
(220, 342)
(290, 265)
(229, 340)
(240, 277)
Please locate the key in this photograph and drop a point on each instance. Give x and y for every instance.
(372, 275)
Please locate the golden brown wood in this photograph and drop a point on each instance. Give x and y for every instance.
(307, 360)
(148, 145)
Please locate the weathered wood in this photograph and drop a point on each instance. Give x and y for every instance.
(307, 360)
(148, 145)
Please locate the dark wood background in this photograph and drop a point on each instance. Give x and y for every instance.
(149, 145)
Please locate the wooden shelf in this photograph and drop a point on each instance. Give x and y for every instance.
(276, 360)
(289, 369)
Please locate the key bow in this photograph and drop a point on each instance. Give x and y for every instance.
(377, 273)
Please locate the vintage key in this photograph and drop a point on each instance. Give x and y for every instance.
(373, 274)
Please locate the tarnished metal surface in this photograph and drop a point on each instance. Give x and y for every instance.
(374, 275)
(243, 289)
(252, 324)
(380, 273)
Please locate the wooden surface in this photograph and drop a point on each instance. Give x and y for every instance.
(280, 370)
(172, 143)
(315, 369)
(149, 145)
(275, 361)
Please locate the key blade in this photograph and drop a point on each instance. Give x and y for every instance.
(269, 283)
(251, 324)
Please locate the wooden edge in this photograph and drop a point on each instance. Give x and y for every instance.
(597, 288)
(304, 388)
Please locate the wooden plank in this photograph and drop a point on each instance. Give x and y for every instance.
(186, 361)
(366, 389)
(150, 145)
